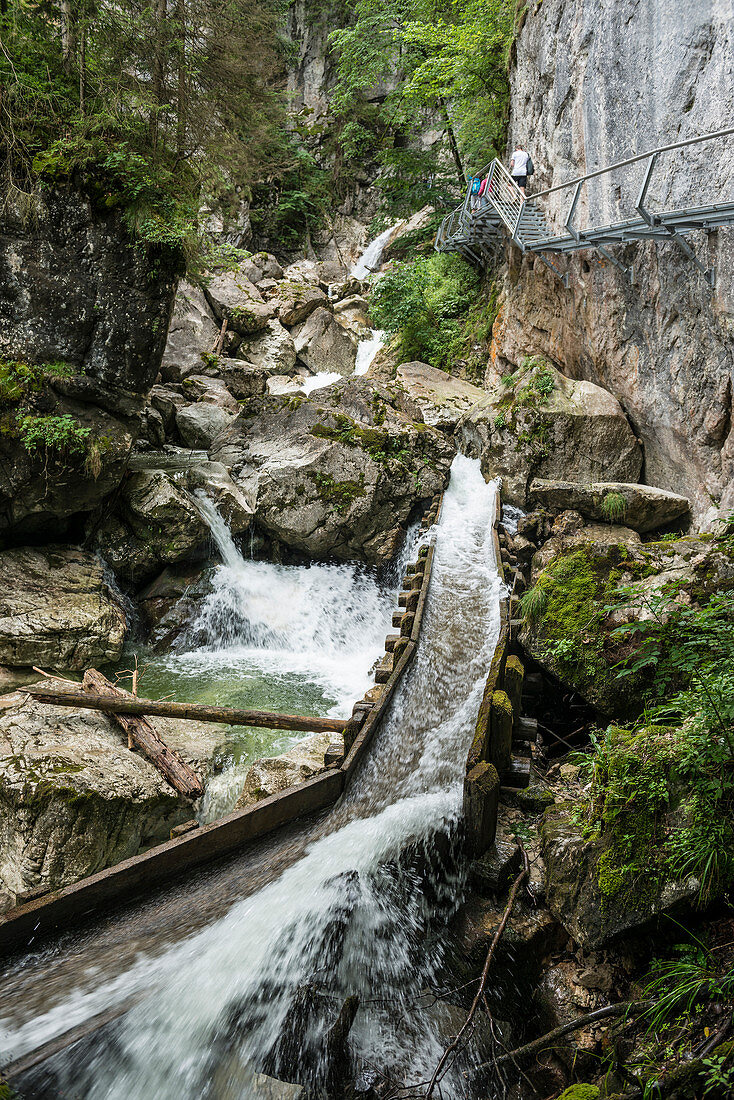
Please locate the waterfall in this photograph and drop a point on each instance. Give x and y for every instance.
(367, 350)
(323, 622)
(370, 259)
(351, 915)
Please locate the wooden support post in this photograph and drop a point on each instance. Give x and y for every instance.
(481, 802)
(499, 746)
(513, 681)
(141, 734)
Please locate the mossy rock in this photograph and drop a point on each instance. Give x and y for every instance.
(568, 630)
(591, 892)
(580, 1092)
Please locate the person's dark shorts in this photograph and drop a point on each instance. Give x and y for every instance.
(521, 181)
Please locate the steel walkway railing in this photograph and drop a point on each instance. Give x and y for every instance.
(475, 228)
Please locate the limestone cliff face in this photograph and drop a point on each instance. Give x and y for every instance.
(592, 83)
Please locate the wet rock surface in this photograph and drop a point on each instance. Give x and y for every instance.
(276, 773)
(337, 474)
(57, 609)
(74, 799)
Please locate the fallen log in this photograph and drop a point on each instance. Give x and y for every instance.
(228, 716)
(141, 734)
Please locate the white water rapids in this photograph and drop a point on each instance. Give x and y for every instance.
(354, 914)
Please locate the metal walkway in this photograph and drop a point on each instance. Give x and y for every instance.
(476, 227)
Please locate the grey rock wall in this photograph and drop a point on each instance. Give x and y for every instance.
(74, 286)
(595, 81)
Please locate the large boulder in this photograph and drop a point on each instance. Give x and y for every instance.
(305, 271)
(59, 459)
(353, 315)
(171, 601)
(57, 609)
(74, 799)
(601, 536)
(200, 425)
(443, 399)
(642, 507)
(582, 891)
(192, 334)
(293, 301)
(244, 379)
(572, 613)
(238, 301)
(211, 390)
(273, 774)
(273, 349)
(88, 307)
(77, 287)
(322, 344)
(540, 424)
(336, 474)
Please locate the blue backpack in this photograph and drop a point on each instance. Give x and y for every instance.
(476, 183)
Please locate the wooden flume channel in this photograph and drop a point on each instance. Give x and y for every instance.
(50, 913)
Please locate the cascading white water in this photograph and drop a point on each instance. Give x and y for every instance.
(350, 914)
(296, 637)
(370, 259)
(367, 350)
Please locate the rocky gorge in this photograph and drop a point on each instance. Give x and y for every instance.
(164, 430)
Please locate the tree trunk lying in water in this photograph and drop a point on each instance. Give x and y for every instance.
(124, 703)
(140, 733)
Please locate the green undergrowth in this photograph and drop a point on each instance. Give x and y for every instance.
(18, 378)
(662, 791)
(24, 394)
(425, 304)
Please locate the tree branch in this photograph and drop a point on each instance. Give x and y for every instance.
(619, 1009)
(456, 1044)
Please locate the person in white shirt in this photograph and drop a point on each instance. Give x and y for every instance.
(519, 167)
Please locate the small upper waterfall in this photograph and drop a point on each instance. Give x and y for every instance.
(370, 259)
(367, 350)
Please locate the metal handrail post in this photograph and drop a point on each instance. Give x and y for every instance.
(572, 210)
(639, 205)
(516, 239)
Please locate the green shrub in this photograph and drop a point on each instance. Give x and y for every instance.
(62, 435)
(424, 303)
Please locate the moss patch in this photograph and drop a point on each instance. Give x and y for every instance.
(339, 494)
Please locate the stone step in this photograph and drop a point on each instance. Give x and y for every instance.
(390, 641)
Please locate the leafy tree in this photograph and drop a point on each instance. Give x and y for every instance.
(424, 304)
(145, 102)
(444, 60)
